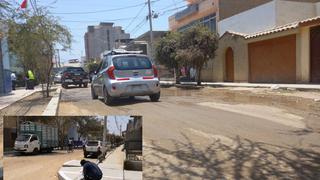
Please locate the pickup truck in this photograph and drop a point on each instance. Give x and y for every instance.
(35, 138)
(94, 148)
(74, 76)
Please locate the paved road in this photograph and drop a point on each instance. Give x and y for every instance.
(200, 134)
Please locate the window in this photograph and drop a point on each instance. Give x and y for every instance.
(131, 63)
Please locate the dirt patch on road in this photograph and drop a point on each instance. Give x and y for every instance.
(34, 104)
(42, 166)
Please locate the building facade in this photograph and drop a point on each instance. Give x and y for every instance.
(101, 38)
(247, 51)
(281, 49)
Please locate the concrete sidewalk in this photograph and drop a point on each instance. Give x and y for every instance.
(249, 85)
(112, 168)
(8, 99)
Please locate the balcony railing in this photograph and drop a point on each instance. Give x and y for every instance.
(191, 9)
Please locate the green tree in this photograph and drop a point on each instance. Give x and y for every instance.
(166, 52)
(196, 47)
(33, 37)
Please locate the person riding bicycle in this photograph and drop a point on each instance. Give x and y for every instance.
(90, 170)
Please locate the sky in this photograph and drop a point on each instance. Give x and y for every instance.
(76, 15)
(114, 123)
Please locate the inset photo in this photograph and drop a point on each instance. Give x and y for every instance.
(72, 147)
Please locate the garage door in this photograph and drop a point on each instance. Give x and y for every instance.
(315, 54)
(273, 61)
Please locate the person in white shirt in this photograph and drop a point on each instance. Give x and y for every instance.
(193, 74)
(13, 80)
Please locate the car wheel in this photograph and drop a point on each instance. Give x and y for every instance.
(65, 86)
(155, 97)
(93, 94)
(85, 85)
(80, 85)
(107, 99)
(35, 151)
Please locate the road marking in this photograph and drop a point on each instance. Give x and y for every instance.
(216, 137)
(273, 114)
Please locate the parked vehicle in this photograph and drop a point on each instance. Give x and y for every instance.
(36, 137)
(74, 76)
(57, 77)
(125, 74)
(94, 148)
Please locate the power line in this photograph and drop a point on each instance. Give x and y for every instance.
(138, 14)
(105, 10)
(138, 27)
(170, 10)
(120, 19)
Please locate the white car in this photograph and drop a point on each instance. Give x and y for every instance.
(94, 148)
(57, 77)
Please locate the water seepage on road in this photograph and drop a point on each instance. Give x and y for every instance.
(218, 132)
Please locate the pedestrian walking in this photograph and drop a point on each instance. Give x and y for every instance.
(13, 80)
(70, 145)
(90, 170)
(193, 74)
(30, 80)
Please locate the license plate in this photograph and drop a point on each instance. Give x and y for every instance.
(136, 87)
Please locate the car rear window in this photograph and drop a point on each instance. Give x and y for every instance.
(131, 63)
(92, 143)
(75, 70)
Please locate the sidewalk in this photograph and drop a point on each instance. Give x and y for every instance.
(249, 85)
(112, 168)
(8, 99)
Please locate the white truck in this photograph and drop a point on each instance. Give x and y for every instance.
(36, 137)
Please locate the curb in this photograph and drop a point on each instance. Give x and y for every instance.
(53, 106)
(23, 97)
(192, 85)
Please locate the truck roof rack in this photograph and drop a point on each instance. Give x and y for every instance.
(120, 51)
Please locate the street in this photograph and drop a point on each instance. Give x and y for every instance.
(42, 166)
(237, 133)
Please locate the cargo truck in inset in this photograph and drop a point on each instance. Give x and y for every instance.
(36, 137)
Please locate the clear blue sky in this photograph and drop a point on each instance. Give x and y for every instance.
(77, 23)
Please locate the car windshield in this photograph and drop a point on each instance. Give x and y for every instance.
(131, 63)
(23, 137)
(92, 143)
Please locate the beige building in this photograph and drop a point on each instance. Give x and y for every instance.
(246, 53)
(284, 53)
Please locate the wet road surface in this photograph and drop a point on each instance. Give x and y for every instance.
(200, 134)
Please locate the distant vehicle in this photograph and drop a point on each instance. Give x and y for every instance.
(74, 76)
(57, 77)
(35, 138)
(125, 74)
(94, 148)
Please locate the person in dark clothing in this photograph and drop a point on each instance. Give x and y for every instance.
(90, 171)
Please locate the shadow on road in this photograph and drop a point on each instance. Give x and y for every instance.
(53, 153)
(128, 101)
(244, 159)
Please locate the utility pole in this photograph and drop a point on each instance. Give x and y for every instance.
(151, 31)
(105, 129)
(59, 58)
